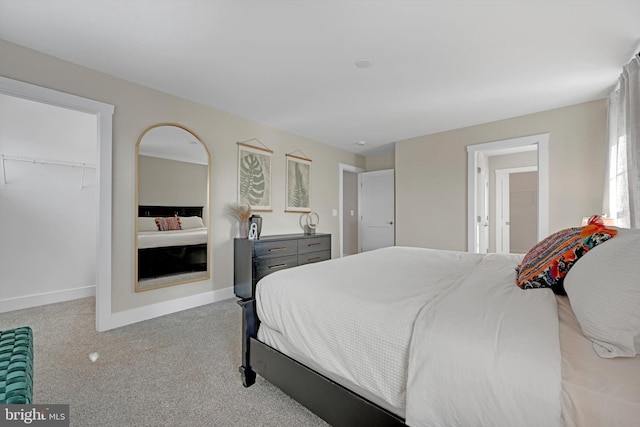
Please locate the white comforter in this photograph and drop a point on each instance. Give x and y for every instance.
(476, 350)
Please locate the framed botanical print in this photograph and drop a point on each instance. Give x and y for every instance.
(298, 184)
(254, 177)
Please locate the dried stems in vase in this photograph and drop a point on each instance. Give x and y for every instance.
(242, 214)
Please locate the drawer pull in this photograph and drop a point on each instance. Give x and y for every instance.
(277, 266)
(314, 244)
(315, 259)
(277, 249)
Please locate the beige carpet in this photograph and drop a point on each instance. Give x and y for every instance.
(176, 370)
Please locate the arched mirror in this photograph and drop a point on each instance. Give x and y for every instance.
(172, 230)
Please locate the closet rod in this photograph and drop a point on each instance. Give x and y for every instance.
(47, 161)
(33, 160)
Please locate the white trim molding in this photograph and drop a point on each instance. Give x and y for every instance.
(35, 300)
(127, 317)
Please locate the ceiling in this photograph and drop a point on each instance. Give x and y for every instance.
(435, 65)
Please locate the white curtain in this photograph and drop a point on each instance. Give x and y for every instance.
(622, 192)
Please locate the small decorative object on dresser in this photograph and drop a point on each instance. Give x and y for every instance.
(254, 259)
(257, 220)
(312, 220)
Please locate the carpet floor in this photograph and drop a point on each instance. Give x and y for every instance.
(176, 370)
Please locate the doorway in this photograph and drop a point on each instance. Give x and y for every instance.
(348, 208)
(516, 195)
(477, 178)
(47, 203)
(370, 192)
(104, 115)
(377, 209)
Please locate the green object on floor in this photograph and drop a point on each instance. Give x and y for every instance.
(16, 366)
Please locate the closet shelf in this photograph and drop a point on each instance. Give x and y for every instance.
(38, 161)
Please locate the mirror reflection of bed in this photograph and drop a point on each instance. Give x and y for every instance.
(172, 237)
(173, 255)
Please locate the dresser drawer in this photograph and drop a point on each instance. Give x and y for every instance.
(314, 244)
(254, 259)
(277, 248)
(264, 266)
(313, 257)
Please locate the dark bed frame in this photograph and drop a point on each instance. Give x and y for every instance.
(156, 262)
(331, 401)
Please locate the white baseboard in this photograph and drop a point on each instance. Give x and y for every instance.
(134, 315)
(28, 301)
(121, 318)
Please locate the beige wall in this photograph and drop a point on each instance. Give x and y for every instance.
(380, 161)
(431, 173)
(171, 183)
(137, 108)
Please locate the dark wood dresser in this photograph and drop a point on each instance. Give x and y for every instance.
(254, 259)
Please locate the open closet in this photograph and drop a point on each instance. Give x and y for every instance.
(48, 202)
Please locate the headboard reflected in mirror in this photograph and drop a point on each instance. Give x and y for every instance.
(172, 235)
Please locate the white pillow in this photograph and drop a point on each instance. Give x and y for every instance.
(191, 222)
(604, 290)
(147, 224)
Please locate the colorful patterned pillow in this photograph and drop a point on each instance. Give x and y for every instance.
(548, 262)
(168, 223)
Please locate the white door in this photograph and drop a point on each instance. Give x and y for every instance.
(377, 209)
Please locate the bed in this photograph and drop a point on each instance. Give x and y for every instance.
(422, 337)
(175, 251)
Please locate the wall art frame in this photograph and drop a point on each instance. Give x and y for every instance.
(298, 184)
(254, 176)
